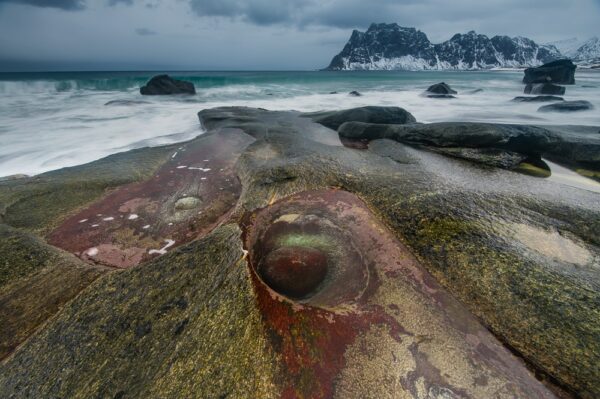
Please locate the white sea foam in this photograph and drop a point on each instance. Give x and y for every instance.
(46, 125)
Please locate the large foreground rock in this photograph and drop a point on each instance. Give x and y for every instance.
(164, 84)
(405, 233)
(559, 72)
(573, 144)
(370, 114)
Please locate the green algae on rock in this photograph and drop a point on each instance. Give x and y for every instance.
(426, 338)
(36, 280)
(162, 330)
(190, 193)
(404, 232)
(39, 203)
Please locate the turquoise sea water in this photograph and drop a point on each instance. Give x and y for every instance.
(52, 120)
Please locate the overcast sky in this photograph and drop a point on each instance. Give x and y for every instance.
(252, 34)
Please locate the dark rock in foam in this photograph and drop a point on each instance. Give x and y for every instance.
(559, 72)
(441, 96)
(569, 143)
(544, 88)
(370, 114)
(441, 88)
(164, 85)
(125, 102)
(567, 106)
(537, 99)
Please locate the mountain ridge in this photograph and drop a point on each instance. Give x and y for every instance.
(393, 47)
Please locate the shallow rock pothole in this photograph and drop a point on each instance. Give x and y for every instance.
(552, 244)
(294, 271)
(187, 203)
(302, 250)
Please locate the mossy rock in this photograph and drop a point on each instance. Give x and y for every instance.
(521, 253)
(39, 203)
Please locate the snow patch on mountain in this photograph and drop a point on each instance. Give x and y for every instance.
(582, 52)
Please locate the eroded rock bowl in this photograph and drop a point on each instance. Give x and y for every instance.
(294, 271)
(302, 251)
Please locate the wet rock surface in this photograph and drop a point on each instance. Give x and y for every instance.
(361, 304)
(441, 96)
(380, 115)
(125, 103)
(487, 156)
(544, 88)
(191, 192)
(165, 85)
(441, 89)
(573, 143)
(294, 271)
(567, 106)
(537, 99)
(559, 72)
(328, 272)
(36, 280)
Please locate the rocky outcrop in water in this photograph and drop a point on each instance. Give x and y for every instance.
(583, 146)
(275, 262)
(125, 103)
(390, 46)
(440, 90)
(567, 106)
(537, 99)
(164, 84)
(560, 72)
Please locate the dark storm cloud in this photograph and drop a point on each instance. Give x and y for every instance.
(361, 13)
(254, 34)
(260, 12)
(62, 4)
(332, 13)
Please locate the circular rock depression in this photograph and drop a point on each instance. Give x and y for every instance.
(294, 271)
(302, 251)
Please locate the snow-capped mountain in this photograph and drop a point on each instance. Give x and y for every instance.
(392, 47)
(580, 51)
(589, 52)
(568, 47)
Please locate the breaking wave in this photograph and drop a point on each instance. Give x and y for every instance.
(49, 121)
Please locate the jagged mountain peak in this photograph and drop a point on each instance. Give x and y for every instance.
(391, 46)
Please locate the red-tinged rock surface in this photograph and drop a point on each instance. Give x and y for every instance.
(49, 278)
(294, 271)
(395, 323)
(314, 282)
(187, 197)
